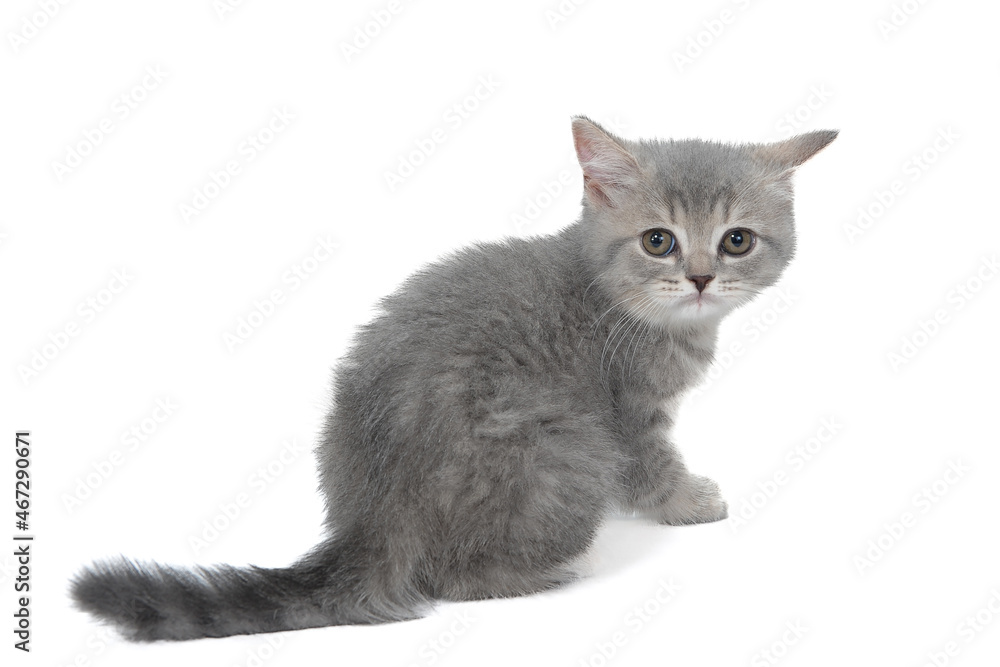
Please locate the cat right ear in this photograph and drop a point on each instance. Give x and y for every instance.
(790, 153)
(610, 172)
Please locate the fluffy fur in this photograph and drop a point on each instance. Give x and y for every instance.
(506, 400)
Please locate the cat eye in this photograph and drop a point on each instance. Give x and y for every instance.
(658, 242)
(737, 241)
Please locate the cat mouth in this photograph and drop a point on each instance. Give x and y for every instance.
(700, 300)
(686, 307)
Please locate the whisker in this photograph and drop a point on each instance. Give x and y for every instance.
(626, 299)
(646, 329)
(620, 329)
(584, 300)
(636, 320)
(617, 328)
(593, 327)
(643, 332)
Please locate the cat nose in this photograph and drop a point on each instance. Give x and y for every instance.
(700, 281)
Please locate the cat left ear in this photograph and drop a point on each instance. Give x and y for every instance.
(788, 154)
(610, 172)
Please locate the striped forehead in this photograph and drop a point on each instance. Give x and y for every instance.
(702, 224)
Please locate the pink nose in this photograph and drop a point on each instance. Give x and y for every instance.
(700, 281)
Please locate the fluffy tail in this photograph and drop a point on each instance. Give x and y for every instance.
(149, 601)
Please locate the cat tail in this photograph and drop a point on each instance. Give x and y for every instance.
(149, 601)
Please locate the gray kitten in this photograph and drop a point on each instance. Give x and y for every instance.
(508, 398)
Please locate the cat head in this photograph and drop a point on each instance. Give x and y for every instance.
(682, 232)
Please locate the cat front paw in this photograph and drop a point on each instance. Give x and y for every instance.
(696, 499)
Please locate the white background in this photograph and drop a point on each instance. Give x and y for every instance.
(762, 71)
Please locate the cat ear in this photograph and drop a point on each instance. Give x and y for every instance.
(788, 154)
(609, 171)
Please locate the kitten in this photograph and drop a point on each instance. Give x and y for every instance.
(507, 399)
